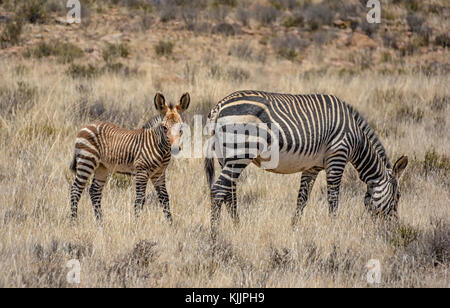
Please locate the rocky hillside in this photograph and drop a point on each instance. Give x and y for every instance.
(312, 35)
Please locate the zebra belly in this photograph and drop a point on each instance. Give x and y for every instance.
(295, 162)
(126, 169)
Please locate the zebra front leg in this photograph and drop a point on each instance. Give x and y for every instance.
(141, 186)
(334, 176)
(306, 183)
(163, 196)
(75, 195)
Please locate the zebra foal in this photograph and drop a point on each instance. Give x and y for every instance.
(316, 132)
(102, 148)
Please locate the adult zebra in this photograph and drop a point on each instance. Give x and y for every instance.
(102, 148)
(316, 132)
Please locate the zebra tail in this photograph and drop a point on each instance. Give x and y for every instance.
(73, 165)
(209, 169)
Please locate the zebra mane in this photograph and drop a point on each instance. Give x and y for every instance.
(154, 121)
(371, 135)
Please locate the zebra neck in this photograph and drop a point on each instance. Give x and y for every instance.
(368, 163)
(159, 133)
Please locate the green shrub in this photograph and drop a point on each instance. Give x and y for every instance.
(442, 40)
(10, 35)
(137, 5)
(243, 16)
(409, 113)
(293, 21)
(238, 74)
(319, 15)
(266, 15)
(435, 162)
(288, 53)
(112, 51)
(121, 181)
(34, 11)
(164, 48)
(64, 52)
(403, 236)
(22, 97)
(289, 46)
(83, 71)
(231, 3)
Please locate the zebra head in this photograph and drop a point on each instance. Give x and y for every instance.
(172, 120)
(383, 197)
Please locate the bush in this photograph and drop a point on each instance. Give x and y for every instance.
(55, 6)
(319, 15)
(238, 74)
(22, 97)
(146, 21)
(11, 33)
(219, 13)
(83, 71)
(442, 40)
(223, 28)
(243, 16)
(369, 29)
(65, 52)
(266, 15)
(34, 11)
(242, 50)
(164, 48)
(435, 162)
(284, 4)
(121, 181)
(289, 46)
(112, 51)
(137, 5)
(322, 37)
(190, 18)
(389, 40)
(167, 13)
(406, 113)
(294, 20)
(231, 3)
(415, 22)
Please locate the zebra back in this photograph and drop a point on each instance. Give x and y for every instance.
(153, 121)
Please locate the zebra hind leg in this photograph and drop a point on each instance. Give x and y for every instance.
(224, 192)
(307, 182)
(95, 190)
(82, 174)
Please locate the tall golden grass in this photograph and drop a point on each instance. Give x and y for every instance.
(403, 93)
(37, 238)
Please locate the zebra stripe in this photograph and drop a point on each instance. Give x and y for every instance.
(102, 148)
(317, 132)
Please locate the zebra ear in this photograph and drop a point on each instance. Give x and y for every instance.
(185, 100)
(400, 166)
(160, 103)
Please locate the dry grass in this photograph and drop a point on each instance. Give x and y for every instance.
(42, 107)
